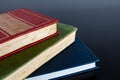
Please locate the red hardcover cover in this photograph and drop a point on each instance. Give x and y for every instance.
(18, 22)
(30, 19)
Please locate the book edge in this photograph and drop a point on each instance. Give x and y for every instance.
(64, 72)
(23, 72)
(27, 46)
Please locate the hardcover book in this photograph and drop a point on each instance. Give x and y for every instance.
(77, 58)
(22, 27)
(22, 64)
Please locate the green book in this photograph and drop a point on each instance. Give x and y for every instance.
(22, 64)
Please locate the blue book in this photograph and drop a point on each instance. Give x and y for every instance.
(77, 58)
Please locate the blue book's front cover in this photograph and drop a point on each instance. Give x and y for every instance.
(75, 55)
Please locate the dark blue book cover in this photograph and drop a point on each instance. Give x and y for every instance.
(77, 58)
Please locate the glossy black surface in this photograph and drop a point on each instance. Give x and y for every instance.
(98, 22)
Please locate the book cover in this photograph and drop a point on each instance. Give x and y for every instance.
(22, 27)
(76, 58)
(20, 65)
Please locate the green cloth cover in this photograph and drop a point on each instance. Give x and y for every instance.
(12, 63)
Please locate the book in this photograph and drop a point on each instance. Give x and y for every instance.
(22, 64)
(76, 58)
(22, 27)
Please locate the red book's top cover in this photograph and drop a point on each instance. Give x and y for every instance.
(21, 21)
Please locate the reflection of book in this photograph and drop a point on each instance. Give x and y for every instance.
(22, 27)
(20, 65)
(77, 58)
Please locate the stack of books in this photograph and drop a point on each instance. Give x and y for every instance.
(34, 46)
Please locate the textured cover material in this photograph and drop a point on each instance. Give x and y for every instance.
(11, 64)
(19, 22)
(16, 23)
(75, 55)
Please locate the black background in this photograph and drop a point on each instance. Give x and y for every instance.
(98, 22)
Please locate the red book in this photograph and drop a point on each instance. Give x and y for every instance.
(22, 28)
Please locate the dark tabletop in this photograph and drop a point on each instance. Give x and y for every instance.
(98, 22)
